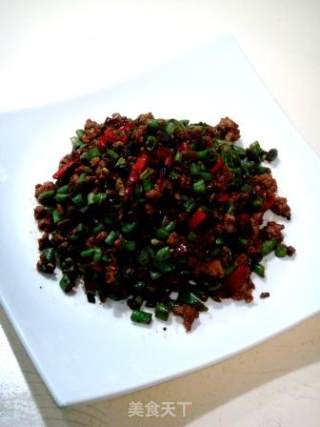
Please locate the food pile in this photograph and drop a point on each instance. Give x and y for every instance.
(161, 213)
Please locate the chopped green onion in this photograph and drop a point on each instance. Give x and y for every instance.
(91, 198)
(162, 233)
(170, 128)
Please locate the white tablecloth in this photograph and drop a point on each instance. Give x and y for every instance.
(56, 50)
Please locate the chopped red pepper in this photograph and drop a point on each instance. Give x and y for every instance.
(183, 147)
(137, 168)
(222, 198)
(197, 218)
(141, 163)
(109, 135)
(63, 169)
(238, 277)
(243, 217)
(218, 165)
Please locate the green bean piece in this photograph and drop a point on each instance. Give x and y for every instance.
(140, 316)
(155, 275)
(147, 185)
(170, 128)
(120, 162)
(189, 205)
(153, 124)
(65, 283)
(139, 286)
(170, 226)
(46, 196)
(162, 254)
(112, 154)
(56, 217)
(63, 190)
(192, 236)
(97, 254)
(91, 198)
(271, 155)
(146, 174)
(268, 246)
(199, 186)
(79, 133)
(219, 241)
(100, 198)
(60, 198)
(78, 200)
(162, 311)
(91, 154)
(257, 203)
(143, 257)
(135, 302)
(262, 169)
(259, 270)
(111, 238)
(281, 251)
(178, 156)
(151, 143)
(128, 245)
(49, 254)
(128, 227)
(87, 253)
(162, 233)
(191, 299)
(82, 178)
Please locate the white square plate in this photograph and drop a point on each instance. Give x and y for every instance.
(85, 351)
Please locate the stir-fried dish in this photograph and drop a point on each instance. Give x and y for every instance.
(161, 213)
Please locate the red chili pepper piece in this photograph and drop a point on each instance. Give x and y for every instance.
(218, 165)
(183, 147)
(63, 169)
(108, 136)
(238, 277)
(222, 198)
(197, 218)
(244, 217)
(138, 167)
